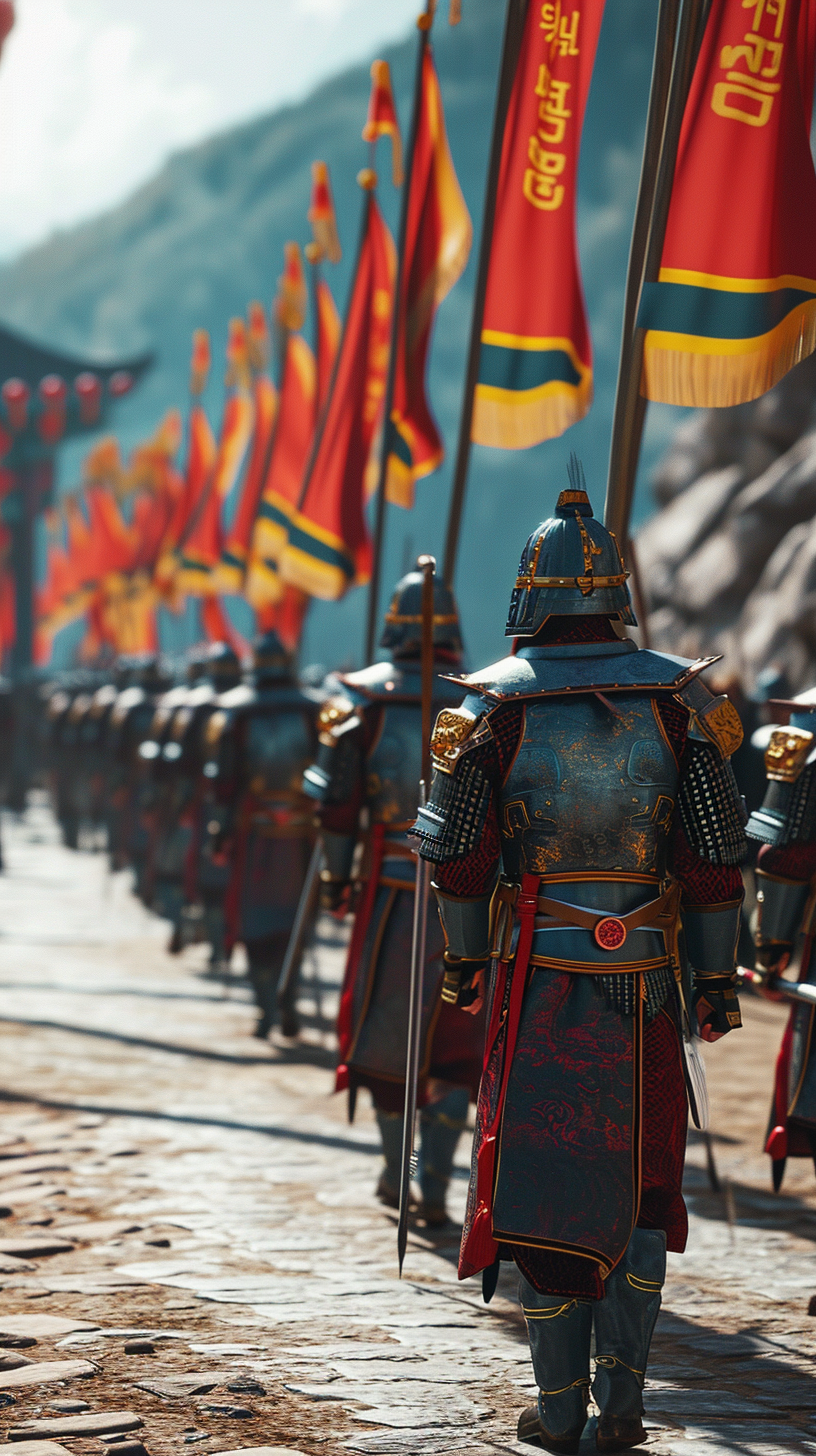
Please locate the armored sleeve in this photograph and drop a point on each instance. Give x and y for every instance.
(785, 825)
(708, 840)
(219, 754)
(458, 829)
(335, 774)
(335, 782)
(710, 806)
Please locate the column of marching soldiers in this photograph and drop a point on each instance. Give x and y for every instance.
(586, 832)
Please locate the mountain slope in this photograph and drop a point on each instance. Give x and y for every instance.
(192, 246)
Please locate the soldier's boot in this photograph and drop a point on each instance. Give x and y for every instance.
(259, 975)
(624, 1324)
(560, 1330)
(388, 1187)
(441, 1125)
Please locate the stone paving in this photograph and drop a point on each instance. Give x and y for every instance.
(191, 1253)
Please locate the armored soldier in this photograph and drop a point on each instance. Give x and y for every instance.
(91, 760)
(366, 780)
(259, 827)
(172, 755)
(67, 712)
(583, 786)
(57, 748)
(785, 827)
(127, 726)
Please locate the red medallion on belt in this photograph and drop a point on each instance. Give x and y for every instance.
(610, 933)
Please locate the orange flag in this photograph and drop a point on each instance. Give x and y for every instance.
(438, 235)
(382, 116)
(290, 304)
(321, 214)
(326, 244)
(235, 554)
(292, 444)
(329, 329)
(201, 453)
(199, 550)
(328, 547)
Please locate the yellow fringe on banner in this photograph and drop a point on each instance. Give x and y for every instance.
(713, 373)
(511, 420)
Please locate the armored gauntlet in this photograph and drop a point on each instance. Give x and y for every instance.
(711, 941)
(457, 985)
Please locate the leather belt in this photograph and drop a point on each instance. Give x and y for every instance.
(609, 931)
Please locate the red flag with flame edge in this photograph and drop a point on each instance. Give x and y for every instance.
(329, 329)
(438, 236)
(105, 568)
(328, 547)
(734, 307)
(382, 117)
(235, 554)
(199, 550)
(326, 245)
(290, 454)
(321, 214)
(535, 364)
(284, 478)
(201, 452)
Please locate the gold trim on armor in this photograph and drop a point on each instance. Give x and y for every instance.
(720, 722)
(596, 968)
(398, 619)
(584, 584)
(786, 753)
(649, 1285)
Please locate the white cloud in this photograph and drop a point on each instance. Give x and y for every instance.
(95, 93)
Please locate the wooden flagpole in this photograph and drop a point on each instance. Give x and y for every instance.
(657, 177)
(514, 19)
(424, 23)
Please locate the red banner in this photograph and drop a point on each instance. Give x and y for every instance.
(438, 235)
(734, 307)
(535, 369)
(328, 547)
(294, 436)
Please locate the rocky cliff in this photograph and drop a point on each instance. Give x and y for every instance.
(729, 560)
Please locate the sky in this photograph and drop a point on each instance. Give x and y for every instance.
(94, 94)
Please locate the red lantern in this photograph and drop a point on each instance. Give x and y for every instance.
(53, 392)
(120, 382)
(16, 395)
(88, 391)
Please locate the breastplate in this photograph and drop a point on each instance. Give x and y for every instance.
(278, 750)
(588, 790)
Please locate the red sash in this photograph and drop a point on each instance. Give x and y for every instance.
(479, 1248)
(362, 920)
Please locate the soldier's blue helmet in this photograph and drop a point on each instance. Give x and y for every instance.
(402, 633)
(571, 566)
(270, 660)
(802, 709)
(222, 665)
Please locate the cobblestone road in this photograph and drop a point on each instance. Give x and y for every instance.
(167, 1179)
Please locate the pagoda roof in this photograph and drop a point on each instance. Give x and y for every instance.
(24, 362)
(22, 358)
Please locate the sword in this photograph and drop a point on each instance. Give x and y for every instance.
(300, 928)
(791, 990)
(427, 565)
